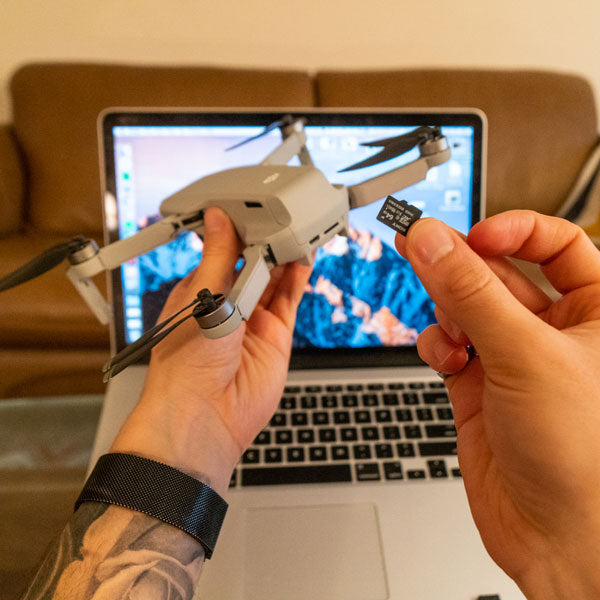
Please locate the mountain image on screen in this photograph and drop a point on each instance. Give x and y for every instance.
(361, 293)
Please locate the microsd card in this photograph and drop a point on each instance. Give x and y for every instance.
(398, 214)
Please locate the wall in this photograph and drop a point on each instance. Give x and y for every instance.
(308, 34)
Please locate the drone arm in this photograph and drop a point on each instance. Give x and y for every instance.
(111, 256)
(291, 146)
(376, 188)
(244, 296)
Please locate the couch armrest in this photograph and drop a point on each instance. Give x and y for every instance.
(12, 183)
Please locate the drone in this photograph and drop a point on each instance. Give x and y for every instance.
(281, 214)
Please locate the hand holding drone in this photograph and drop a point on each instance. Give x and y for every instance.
(280, 212)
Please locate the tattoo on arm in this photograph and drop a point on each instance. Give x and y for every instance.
(111, 553)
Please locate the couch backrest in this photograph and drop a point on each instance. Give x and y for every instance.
(542, 125)
(55, 107)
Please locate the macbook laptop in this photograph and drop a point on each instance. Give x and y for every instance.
(353, 491)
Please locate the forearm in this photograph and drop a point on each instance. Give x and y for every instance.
(108, 552)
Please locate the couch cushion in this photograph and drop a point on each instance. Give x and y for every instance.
(55, 107)
(46, 312)
(542, 125)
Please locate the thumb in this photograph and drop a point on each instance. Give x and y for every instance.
(464, 287)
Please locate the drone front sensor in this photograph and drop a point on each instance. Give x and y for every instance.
(398, 214)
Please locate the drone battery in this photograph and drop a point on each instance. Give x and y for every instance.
(399, 215)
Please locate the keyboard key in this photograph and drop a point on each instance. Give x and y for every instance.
(308, 402)
(317, 453)
(361, 451)
(334, 388)
(320, 418)
(369, 433)
(273, 455)
(278, 420)
(251, 456)
(305, 436)
(391, 399)
(350, 400)
(384, 451)
(405, 450)
(393, 470)
(327, 435)
(383, 416)
(437, 448)
(370, 400)
(396, 385)
(374, 387)
(391, 432)
(440, 431)
(340, 453)
(313, 389)
(283, 436)
(412, 432)
(367, 472)
(416, 474)
(444, 414)
(329, 401)
(410, 398)
(362, 416)
(436, 385)
(349, 434)
(264, 437)
(404, 415)
(416, 385)
(288, 403)
(341, 417)
(436, 398)
(437, 469)
(456, 472)
(295, 454)
(355, 387)
(291, 389)
(296, 474)
(299, 419)
(424, 414)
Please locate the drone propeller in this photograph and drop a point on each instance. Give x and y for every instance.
(44, 262)
(281, 123)
(396, 146)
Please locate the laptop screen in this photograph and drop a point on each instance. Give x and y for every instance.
(363, 304)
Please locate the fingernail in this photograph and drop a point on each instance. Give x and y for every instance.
(431, 240)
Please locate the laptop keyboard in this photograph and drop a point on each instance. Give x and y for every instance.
(393, 431)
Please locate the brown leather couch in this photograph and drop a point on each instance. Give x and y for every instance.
(542, 127)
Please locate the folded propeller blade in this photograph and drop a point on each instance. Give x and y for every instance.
(394, 146)
(42, 263)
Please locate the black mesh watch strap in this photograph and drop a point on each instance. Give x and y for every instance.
(159, 491)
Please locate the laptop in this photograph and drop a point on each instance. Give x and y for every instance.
(353, 491)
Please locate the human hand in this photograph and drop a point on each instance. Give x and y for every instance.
(527, 409)
(205, 400)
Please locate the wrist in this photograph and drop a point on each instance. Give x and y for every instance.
(200, 447)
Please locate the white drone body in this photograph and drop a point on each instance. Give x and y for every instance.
(280, 212)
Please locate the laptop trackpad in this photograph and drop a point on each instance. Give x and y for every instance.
(326, 552)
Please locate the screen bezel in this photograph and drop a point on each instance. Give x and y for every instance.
(302, 358)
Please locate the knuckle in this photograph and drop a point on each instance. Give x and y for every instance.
(465, 285)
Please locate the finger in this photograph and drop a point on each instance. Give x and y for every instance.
(567, 256)
(288, 292)
(466, 289)
(452, 330)
(440, 352)
(220, 253)
(513, 278)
